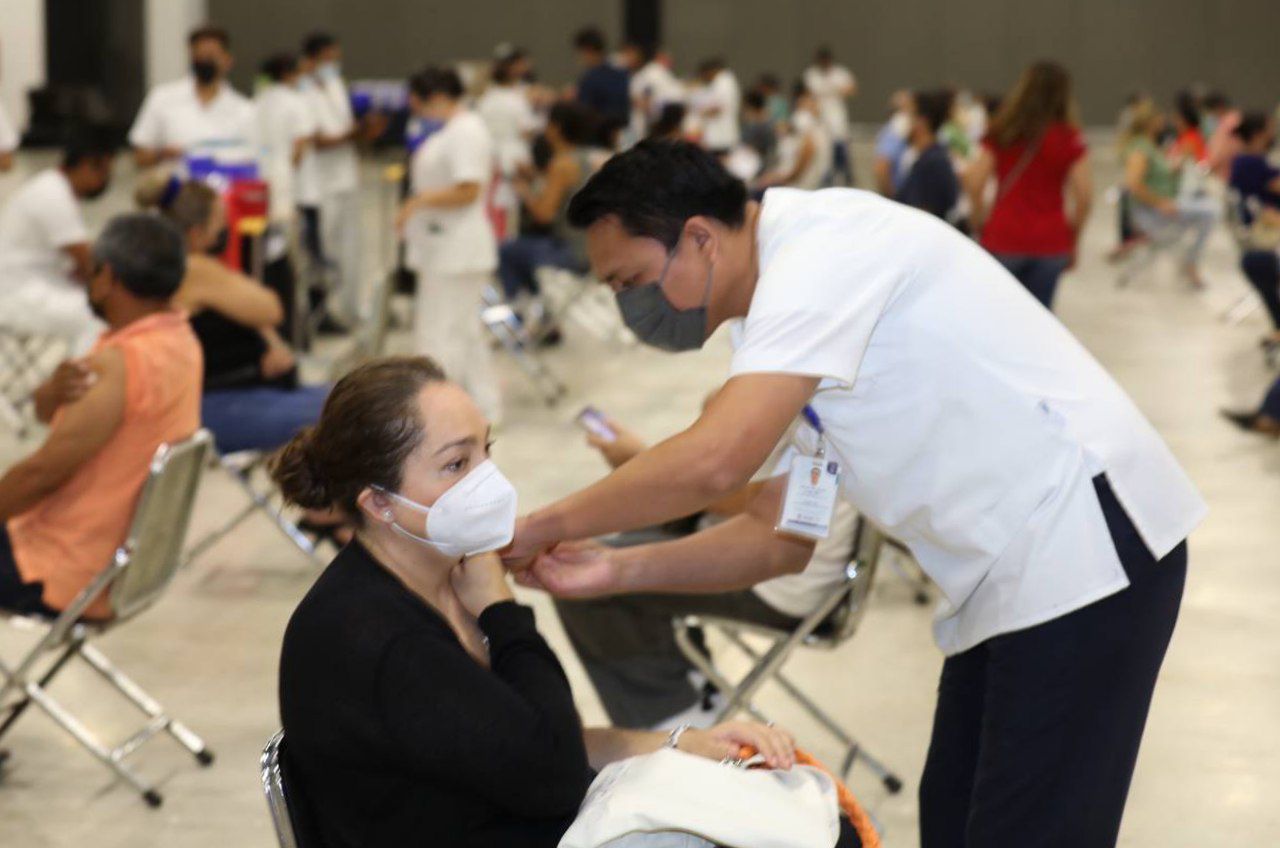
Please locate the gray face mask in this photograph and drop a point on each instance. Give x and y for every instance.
(646, 310)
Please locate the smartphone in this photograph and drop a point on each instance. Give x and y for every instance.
(593, 421)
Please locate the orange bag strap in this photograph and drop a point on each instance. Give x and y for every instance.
(848, 803)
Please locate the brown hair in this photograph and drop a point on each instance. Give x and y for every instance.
(367, 430)
(1041, 97)
(187, 204)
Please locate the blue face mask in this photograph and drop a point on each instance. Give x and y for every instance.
(656, 322)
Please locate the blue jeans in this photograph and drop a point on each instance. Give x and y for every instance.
(1038, 274)
(520, 257)
(260, 417)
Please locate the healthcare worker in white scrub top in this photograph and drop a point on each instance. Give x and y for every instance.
(954, 412)
(449, 240)
(201, 110)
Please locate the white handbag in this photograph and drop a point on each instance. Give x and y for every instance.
(670, 799)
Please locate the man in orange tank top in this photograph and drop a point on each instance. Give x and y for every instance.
(67, 507)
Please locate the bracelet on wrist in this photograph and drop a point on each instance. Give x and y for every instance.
(673, 741)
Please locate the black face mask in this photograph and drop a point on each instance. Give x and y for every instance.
(219, 244)
(204, 70)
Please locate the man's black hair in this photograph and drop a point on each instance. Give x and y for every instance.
(316, 43)
(934, 106)
(1251, 124)
(279, 66)
(145, 252)
(1215, 100)
(589, 38)
(824, 54)
(656, 186)
(579, 124)
(435, 80)
(88, 142)
(754, 99)
(209, 31)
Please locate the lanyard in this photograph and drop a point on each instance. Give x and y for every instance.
(811, 416)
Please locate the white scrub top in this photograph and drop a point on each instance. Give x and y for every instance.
(510, 119)
(172, 115)
(337, 168)
(458, 240)
(40, 219)
(284, 118)
(828, 88)
(720, 131)
(969, 421)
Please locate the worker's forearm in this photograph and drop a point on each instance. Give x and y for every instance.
(671, 480)
(607, 745)
(737, 554)
(446, 198)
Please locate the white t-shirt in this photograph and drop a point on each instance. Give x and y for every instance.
(306, 179)
(458, 240)
(337, 168)
(172, 115)
(284, 117)
(720, 131)
(509, 117)
(828, 87)
(656, 82)
(969, 420)
(41, 218)
(806, 125)
(8, 135)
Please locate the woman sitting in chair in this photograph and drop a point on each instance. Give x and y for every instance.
(252, 397)
(420, 704)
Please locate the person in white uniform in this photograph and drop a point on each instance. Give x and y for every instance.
(805, 152)
(337, 176)
(45, 260)
(450, 243)
(653, 85)
(286, 128)
(953, 412)
(833, 85)
(716, 107)
(198, 111)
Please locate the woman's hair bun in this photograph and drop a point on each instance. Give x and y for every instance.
(296, 472)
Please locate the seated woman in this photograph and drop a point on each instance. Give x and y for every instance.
(420, 705)
(1152, 180)
(1257, 184)
(551, 241)
(252, 397)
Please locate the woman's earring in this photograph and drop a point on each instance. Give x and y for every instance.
(387, 514)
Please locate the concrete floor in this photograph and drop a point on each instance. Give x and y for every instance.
(1208, 773)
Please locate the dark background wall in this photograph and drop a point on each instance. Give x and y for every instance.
(390, 38)
(1111, 46)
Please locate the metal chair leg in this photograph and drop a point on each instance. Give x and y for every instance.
(90, 743)
(18, 708)
(148, 705)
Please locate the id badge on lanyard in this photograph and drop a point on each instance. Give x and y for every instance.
(813, 485)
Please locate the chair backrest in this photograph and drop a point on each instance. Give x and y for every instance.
(842, 622)
(273, 786)
(153, 549)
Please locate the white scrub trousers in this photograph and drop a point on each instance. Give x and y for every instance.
(340, 227)
(446, 327)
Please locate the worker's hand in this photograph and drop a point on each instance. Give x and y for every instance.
(1168, 208)
(573, 570)
(777, 746)
(276, 362)
(525, 546)
(407, 210)
(620, 450)
(71, 380)
(480, 582)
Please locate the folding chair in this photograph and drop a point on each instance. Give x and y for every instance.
(502, 324)
(25, 361)
(577, 296)
(1234, 214)
(241, 468)
(829, 626)
(134, 580)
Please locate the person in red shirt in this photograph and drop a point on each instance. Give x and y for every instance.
(1188, 144)
(1037, 156)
